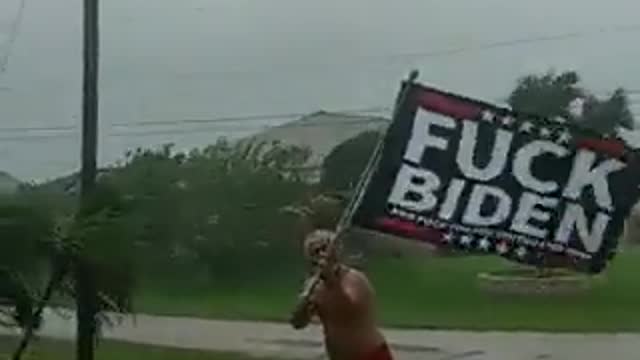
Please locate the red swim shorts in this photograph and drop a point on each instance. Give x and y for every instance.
(382, 352)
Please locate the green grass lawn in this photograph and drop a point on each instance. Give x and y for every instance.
(62, 350)
(429, 293)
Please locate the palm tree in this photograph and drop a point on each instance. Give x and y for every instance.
(96, 239)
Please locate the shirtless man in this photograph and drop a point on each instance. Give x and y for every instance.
(344, 304)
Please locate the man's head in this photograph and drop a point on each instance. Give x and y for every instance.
(317, 246)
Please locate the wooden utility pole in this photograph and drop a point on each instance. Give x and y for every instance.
(86, 292)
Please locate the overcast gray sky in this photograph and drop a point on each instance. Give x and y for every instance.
(176, 59)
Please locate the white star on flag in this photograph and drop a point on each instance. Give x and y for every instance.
(488, 116)
(564, 137)
(484, 244)
(630, 137)
(521, 252)
(508, 120)
(544, 132)
(526, 127)
(466, 240)
(502, 248)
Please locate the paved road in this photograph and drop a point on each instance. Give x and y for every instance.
(280, 340)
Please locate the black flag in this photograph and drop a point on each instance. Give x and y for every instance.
(462, 173)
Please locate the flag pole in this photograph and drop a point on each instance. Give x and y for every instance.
(365, 178)
(363, 182)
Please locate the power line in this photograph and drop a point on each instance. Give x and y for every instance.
(228, 119)
(33, 137)
(13, 36)
(256, 117)
(216, 128)
(40, 128)
(627, 28)
(248, 118)
(213, 128)
(218, 122)
(436, 53)
(517, 42)
(489, 45)
(485, 46)
(215, 120)
(256, 128)
(236, 119)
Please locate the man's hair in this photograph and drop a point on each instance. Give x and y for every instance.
(320, 238)
(317, 238)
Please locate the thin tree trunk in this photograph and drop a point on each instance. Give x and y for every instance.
(29, 331)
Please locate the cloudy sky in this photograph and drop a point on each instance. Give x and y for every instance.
(203, 59)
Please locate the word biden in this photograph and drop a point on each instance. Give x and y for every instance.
(539, 208)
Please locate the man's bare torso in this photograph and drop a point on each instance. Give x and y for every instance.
(347, 316)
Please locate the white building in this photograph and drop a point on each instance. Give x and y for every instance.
(321, 132)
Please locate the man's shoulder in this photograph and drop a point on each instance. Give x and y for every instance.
(356, 276)
(351, 271)
(358, 286)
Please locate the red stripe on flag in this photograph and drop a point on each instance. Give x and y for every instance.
(613, 148)
(447, 105)
(409, 229)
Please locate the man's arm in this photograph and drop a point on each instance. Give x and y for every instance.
(306, 311)
(302, 315)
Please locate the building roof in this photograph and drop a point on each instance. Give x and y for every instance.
(321, 132)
